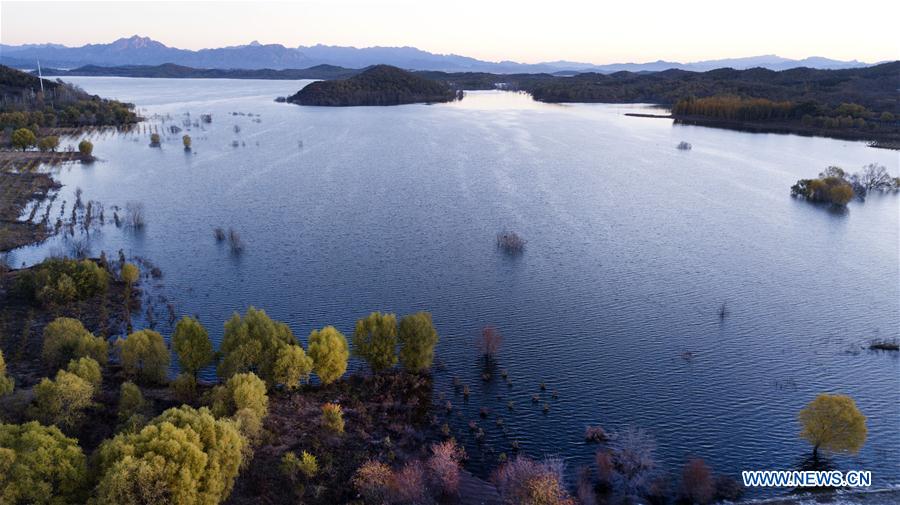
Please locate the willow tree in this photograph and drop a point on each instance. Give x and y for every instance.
(329, 352)
(292, 367)
(191, 342)
(833, 423)
(375, 340)
(183, 456)
(66, 339)
(38, 464)
(144, 356)
(251, 344)
(417, 340)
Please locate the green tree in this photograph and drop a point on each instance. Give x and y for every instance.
(62, 401)
(242, 391)
(144, 356)
(130, 274)
(23, 138)
(7, 384)
(184, 456)
(66, 339)
(184, 387)
(292, 367)
(886, 116)
(305, 465)
(191, 342)
(86, 148)
(375, 340)
(417, 340)
(39, 465)
(186, 140)
(89, 370)
(833, 423)
(154, 139)
(251, 344)
(329, 352)
(48, 143)
(131, 401)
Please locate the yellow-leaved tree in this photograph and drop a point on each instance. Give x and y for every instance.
(833, 423)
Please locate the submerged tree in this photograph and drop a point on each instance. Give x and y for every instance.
(375, 340)
(833, 423)
(86, 148)
(417, 338)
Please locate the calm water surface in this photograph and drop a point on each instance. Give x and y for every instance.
(632, 248)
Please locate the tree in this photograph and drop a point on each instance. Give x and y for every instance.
(373, 481)
(144, 356)
(89, 370)
(833, 423)
(154, 139)
(251, 344)
(40, 465)
(444, 466)
(375, 340)
(191, 342)
(333, 417)
(417, 338)
(130, 274)
(292, 367)
(242, 391)
(48, 143)
(86, 148)
(329, 352)
(629, 462)
(489, 342)
(186, 140)
(7, 384)
(62, 401)
(23, 138)
(306, 464)
(184, 456)
(66, 339)
(131, 401)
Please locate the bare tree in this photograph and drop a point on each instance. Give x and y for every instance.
(489, 342)
(134, 212)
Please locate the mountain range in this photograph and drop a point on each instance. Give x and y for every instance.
(137, 50)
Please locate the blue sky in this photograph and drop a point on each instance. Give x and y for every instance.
(524, 30)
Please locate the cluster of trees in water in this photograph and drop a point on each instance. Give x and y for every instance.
(24, 105)
(838, 187)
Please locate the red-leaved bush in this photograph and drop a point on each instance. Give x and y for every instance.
(524, 481)
(697, 483)
(409, 484)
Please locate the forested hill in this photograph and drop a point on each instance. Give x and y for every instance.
(873, 87)
(378, 85)
(61, 104)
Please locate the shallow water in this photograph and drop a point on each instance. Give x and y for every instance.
(632, 248)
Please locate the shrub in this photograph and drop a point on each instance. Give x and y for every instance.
(40, 465)
(375, 340)
(89, 370)
(409, 484)
(443, 466)
(333, 417)
(697, 485)
(833, 423)
(831, 189)
(191, 342)
(186, 140)
(66, 339)
(59, 281)
(131, 401)
(183, 456)
(292, 366)
(154, 139)
(134, 217)
(144, 356)
(510, 242)
(251, 344)
(373, 481)
(7, 384)
(329, 352)
(629, 463)
(305, 465)
(62, 401)
(417, 338)
(130, 273)
(528, 482)
(23, 138)
(86, 148)
(184, 387)
(50, 143)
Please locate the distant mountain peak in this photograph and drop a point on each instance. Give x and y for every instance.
(137, 42)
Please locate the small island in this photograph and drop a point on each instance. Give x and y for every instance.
(378, 85)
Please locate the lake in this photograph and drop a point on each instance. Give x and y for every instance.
(632, 248)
